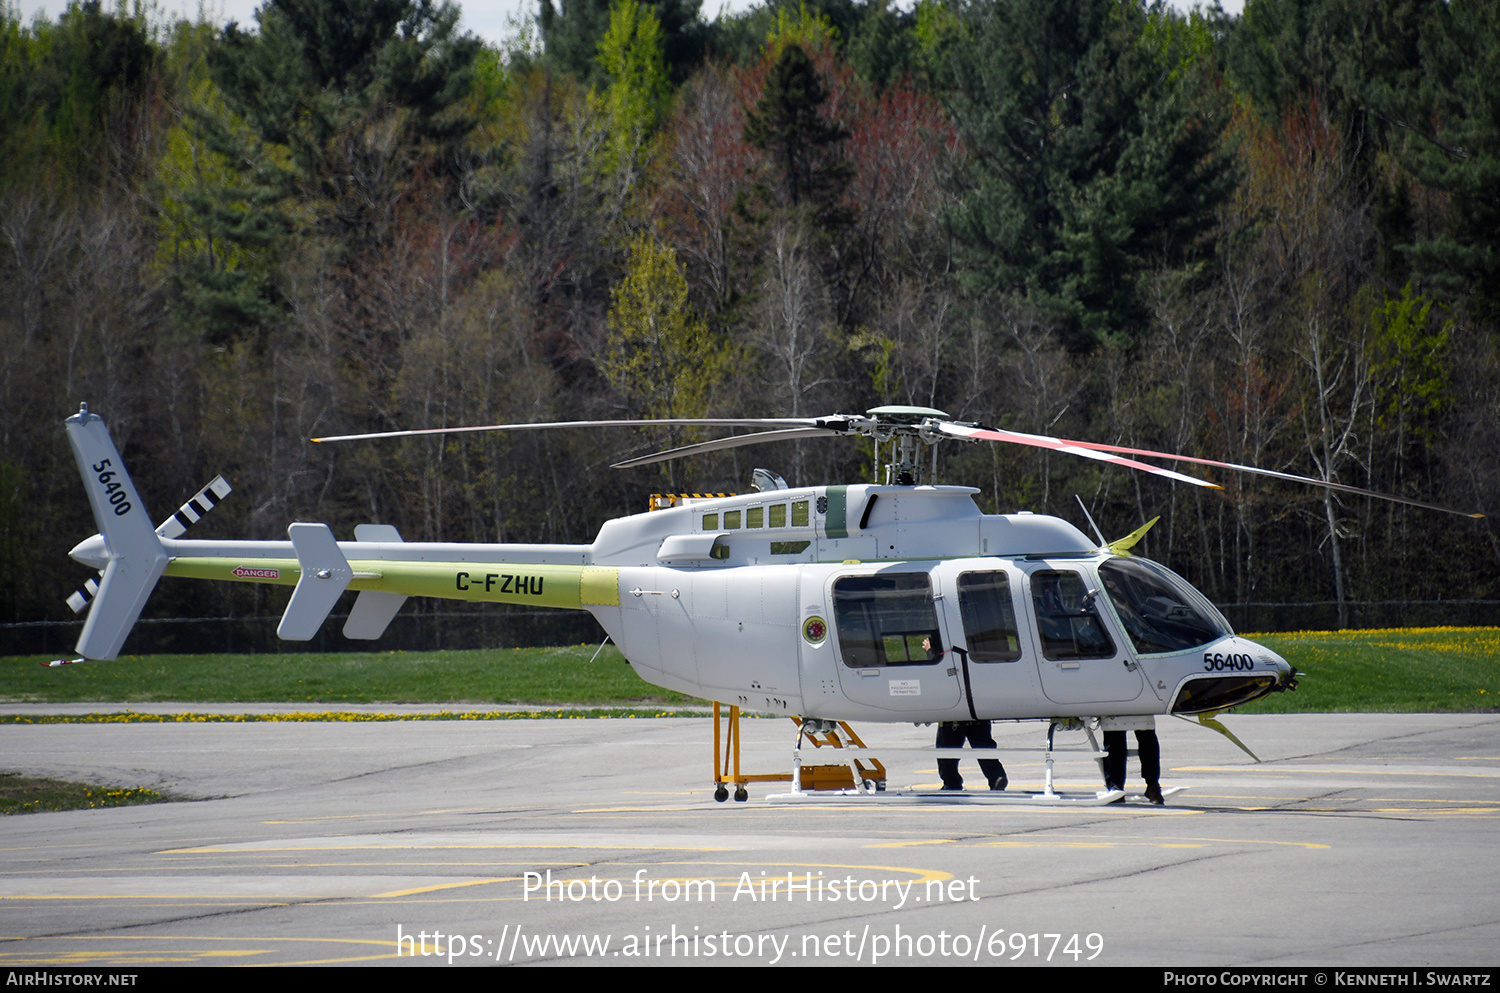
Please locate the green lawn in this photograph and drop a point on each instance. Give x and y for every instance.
(1407, 670)
(1396, 670)
(520, 675)
(29, 795)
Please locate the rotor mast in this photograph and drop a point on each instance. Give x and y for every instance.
(904, 428)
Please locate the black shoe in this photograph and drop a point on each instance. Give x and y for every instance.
(953, 789)
(999, 783)
(1153, 793)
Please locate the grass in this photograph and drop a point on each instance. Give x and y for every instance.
(552, 676)
(28, 795)
(1396, 670)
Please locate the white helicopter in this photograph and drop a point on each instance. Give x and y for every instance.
(887, 602)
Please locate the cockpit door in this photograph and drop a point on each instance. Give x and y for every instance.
(1082, 658)
(983, 605)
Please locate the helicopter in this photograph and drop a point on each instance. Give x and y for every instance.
(891, 601)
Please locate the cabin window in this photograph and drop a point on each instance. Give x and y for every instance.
(989, 617)
(778, 515)
(789, 547)
(886, 620)
(799, 514)
(1067, 618)
(755, 517)
(710, 522)
(1158, 609)
(731, 519)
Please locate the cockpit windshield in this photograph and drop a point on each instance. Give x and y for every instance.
(1158, 608)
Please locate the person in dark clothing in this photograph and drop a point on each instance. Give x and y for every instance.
(953, 734)
(1148, 748)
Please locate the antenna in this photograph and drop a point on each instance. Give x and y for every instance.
(1090, 518)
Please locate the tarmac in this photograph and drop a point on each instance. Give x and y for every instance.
(1359, 840)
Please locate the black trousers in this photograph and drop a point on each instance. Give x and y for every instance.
(1146, 746)
(953, 734)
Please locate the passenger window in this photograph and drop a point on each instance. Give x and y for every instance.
(886, 620)
(1067, 618)
(989, 617)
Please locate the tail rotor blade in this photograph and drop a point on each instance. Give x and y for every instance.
(193, 511)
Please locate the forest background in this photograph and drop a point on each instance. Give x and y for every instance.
(1270, 239)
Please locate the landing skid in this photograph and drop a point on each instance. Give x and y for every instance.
(1138, 798)
(860, 757)
(846, 768)
(952, 798)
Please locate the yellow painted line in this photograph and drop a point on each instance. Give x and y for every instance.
(1303, 799)
(1346, 772)
(1190, 841)
(1413, 810)
(921, 875)
(214, 850)
(858, 807)
(361, 817)
(240, 866)
(122, 957)
(176, 898)
(445, 886)
(1054, 844)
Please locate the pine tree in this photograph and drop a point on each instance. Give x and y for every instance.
(805, 149)
(1094, 155)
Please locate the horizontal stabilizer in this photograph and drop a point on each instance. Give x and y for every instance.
(373, 611)
(372, 614)
(325, 575)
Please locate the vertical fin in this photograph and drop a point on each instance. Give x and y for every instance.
(136, 557)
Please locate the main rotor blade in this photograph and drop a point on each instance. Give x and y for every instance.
(1091, 449)
(1087, 451)
(733, 441)
(1290, 477)
(732, 422)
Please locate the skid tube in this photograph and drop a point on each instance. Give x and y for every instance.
(1049, 795)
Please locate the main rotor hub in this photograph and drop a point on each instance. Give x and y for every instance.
(904, 427)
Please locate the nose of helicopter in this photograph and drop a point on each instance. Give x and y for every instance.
(1286, 673)
(91, 552)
